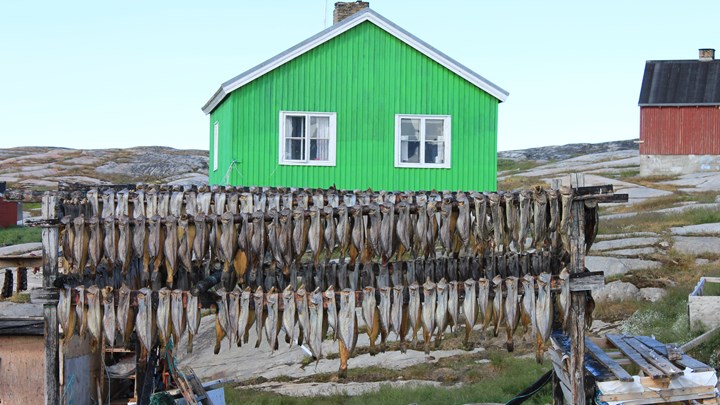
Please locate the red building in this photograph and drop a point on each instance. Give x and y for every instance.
(8, 213)
(680, 116)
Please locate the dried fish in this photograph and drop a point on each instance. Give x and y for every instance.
(94, 315)
(300, 233)
(528, 305)
(272, 323)
(246, 317)
(453, 305)
(124, 243)
(388, 240)
(66, 314)
(441, 310)
(511, 306)
(543, 314)
(301, 305)
(329, 233)
(511, 228)
(108, 321)
(125, 315)
(384, 309)
(371, 316)
(221, 318)
(462, 226)
(186, 236)
(202, 239)
(398, 322)
(289, 315)
(485, 310)
(177, 313)
(332, 316)
(228, 245)
(421, 229)
(470, 307)
(284, 239)
(564, 296)
(497, 221)
(81, 311)
(163, 316)
(156, 241)
(566, 199)
(414, 309)
(343, 231)
(524, 225)
(315, 234)
(404, 229)
(110, 242)
(432, 229)
(497, 305)
(539, 217)
(428, 312)
(315, 308)
(95, 245)
(374, 230)
(347, 323)
(171, 248)
(145, 323)
(260, 314)
(479, 224)
(448, 219)
(82, 241)
(139, 242)
(192, 313)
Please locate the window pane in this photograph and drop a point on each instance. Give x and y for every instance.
(294, 149)
(434, 130)
(410, 128)
(319, 149)
(410, 152)
(320, 127)
(435, 152)
(294, 126)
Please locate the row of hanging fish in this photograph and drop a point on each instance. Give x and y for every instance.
(310, 317)
(173, 232)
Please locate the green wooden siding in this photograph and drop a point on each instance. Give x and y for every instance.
(366, 76)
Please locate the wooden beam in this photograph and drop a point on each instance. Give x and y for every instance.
(636, 357)
(576, 321)
(654, 358)
(607, 361)
(684, 361)
(50, 269)
(21, 261)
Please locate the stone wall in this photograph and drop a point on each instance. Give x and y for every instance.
(344, 10)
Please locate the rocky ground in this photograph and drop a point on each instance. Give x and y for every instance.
(44, 167)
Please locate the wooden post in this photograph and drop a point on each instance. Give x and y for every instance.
(576, 321)
(50, 270)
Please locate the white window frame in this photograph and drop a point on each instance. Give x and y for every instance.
(447, 138)
(332, 134)
(216, 148)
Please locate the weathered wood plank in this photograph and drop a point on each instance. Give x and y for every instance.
(50, 269)
(606, 361)
(653, 357)
(576, 321)
(21, 261)
(587, 280)
(43, 295)
(665, 395)
(685, 360)
(636, 357)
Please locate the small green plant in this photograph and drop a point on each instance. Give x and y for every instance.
(19, 234)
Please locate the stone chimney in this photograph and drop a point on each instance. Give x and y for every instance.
(706, 54)
(344, 10)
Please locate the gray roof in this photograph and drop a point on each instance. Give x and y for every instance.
(337, 29)
(680, 82)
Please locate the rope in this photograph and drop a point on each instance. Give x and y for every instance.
(531, 390)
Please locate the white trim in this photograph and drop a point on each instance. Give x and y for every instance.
(447, 139)
(337, 29)
(331, 144)
(216, 147)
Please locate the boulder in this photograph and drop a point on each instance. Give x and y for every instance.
(652, 294)
(617, 291)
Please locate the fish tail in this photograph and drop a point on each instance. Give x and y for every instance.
(190, 343)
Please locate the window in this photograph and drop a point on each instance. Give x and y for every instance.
(422, 141)
(216, 133)
(307, 138)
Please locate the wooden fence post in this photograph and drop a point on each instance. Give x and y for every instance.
(576, 321)
(50, 269)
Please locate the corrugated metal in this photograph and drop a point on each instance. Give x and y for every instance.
(366, 76)
(680, 130)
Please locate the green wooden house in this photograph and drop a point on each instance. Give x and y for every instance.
(362, 104)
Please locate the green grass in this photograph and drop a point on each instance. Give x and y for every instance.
(659, 222)
(504, 165)
(497, 381)
(19, 234)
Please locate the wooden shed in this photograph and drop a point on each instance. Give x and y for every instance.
(680, 116)
(361, 104)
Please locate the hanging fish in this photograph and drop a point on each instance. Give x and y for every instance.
(398, 319)
(289, 315)
(469, 308)
(566, 198)
(404, 229)
(552, 196)
(163, 317)
(479, 227)
(246, 318)
(284, 240)
(155, 244)
(384, 309)
(300, 233)
(421, 228)
(221, 318)
(66, 314)
(95, 245)
(139, 243)
(543, 315)
(108, 321)
(125, 314)
(441, 310)
(511, 304)
(432, 229)
(81, 311)
(145, 323)
(428, 312)
(110, 242)
(332, 317)
(192, 314)
(374, 230)
(228, 245)
(342, 231)
(525, 199)
(176, 201)
(454, 305)
(315, 234)
(371, 316)
(329, 233)
(94, 316)
(414, 309)
(272, 323)
(528, 305)
(186, 236)
(315, 308)
(260, 315)
(171, 248)
(301, 305)
(498, 311)
(484, 302)
(447, 225)
(564, 296)
(80, 247)
(462, 226)
(151, 205)
(124, 244)
(539, 217)
(177, 313)
(219, 203)
(347, 324)
(358, 233)
(511, 228)
(498, 219)
(202, 239)
(388, 240)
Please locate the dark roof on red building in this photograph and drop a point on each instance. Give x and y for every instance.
(680, 82)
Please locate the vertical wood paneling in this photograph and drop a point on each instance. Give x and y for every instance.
(680, 130)
(366, 76)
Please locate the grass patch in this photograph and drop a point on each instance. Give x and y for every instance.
(505, 165)
(21, 298)
(497, 381)
(669, 201)
(613, 311)
(658, 222)
(19, 234)
(520, 182)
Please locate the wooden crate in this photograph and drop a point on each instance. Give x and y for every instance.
(636, 370)
(704, 310)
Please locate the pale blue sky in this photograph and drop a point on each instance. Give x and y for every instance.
(96, 74)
